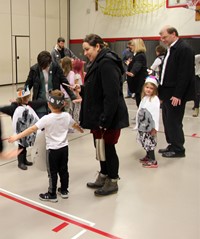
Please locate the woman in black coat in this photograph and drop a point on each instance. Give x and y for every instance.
(103, 108)
(137, 68)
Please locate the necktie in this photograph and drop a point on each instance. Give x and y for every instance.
(164, 66)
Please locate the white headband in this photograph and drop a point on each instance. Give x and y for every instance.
(56, 101)
(153, 80)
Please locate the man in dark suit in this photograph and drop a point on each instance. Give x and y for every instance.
(176, 88)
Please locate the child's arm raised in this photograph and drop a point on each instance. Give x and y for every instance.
(23, 134)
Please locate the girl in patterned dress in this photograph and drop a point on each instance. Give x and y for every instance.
(147, 121)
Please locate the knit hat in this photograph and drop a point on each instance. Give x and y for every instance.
(153, 80)
(23, 92)
(56, 101)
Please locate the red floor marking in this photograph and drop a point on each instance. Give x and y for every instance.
(60, 227)
(89, 228)
(186, 135)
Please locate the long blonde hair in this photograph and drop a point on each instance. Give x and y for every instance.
(155, 90)
(66, 65)
(139, 45)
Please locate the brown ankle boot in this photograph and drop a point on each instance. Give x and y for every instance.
(100, 180)
(108, 188)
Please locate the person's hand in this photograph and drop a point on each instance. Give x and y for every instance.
(10, 154)
(149, 71)
(77, 87)
(77, 100)
(127, 62)
(12, 138)
(153, 132)
(77, 90)
(175, 101)
(77, 127)
(12, 100)
(73, 87)
(130, 74)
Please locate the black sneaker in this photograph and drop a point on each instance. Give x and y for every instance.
(48, 197)
(63, 194)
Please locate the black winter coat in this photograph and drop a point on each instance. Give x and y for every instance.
(103, 102)
(58, 78)
(138, 66)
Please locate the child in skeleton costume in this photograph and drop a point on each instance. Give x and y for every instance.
(23, 116)
(147, 121)
(56, 125)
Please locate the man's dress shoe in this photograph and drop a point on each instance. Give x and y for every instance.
(172, 154)
(161, 151)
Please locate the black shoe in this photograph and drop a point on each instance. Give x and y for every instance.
(172, 154)
(63, 194)
(28, 163)
(128, 96)
(22, 166)
(161, 151)
(48, 197)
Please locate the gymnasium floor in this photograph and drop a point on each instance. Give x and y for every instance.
(162, 203)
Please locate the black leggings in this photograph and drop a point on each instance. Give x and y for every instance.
(151, 155)
(110, 167)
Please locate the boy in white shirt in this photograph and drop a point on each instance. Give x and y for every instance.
(56, 125)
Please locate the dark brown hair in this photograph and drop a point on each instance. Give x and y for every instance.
(160, 49)
(171, 30)
(44, 59)
(60, 39)
(93, 40)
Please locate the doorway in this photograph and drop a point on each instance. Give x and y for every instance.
(21, 55)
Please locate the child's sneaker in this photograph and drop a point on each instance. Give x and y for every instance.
(144, 160)
(150, 164)
(63, 194)
(48, 197)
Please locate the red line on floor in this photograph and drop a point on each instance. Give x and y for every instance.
(60, 227)
(89, 228)
(186, 135)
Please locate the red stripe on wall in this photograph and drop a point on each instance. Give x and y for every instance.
(155, 38)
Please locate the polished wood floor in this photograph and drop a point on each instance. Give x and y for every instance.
(162, 203)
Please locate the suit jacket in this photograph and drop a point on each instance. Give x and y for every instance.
(179, 73)
(138, 66)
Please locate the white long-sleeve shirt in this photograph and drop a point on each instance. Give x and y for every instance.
(147, 117)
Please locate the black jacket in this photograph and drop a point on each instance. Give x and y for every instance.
(103, 102)
(138, 66)
(10, 109)
(58, 78)
(179, 73)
